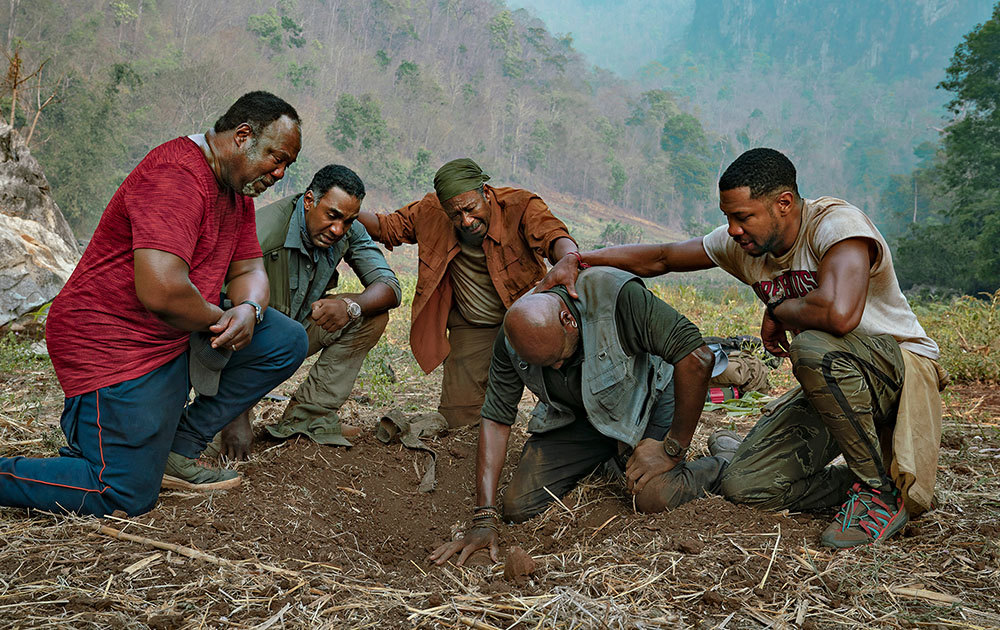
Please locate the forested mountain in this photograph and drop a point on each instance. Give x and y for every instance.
(846, 88)
(391, 88)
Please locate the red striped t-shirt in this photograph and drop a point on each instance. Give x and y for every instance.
(98, 333)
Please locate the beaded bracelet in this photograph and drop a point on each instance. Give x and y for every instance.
(579, 261)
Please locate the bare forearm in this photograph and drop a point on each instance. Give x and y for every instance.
(378, 297)
(490, 458)
(181, 306)
(837, 305)
(561, 247)
(653, 260)
(818, 310)
(642, 260)
(251, 285)
(691, 376)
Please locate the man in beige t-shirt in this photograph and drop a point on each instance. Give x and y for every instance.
(867, 370)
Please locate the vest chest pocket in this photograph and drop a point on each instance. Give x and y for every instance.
(612, 387)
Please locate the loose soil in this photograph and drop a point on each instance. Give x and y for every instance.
(333, 537)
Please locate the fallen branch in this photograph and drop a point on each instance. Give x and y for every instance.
(190, 552)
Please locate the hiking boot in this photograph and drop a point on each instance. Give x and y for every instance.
(184, 473)
(723, 443)
(868, 516)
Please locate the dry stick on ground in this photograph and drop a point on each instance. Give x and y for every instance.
(190, 552)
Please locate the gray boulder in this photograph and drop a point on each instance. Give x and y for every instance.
(37, 249)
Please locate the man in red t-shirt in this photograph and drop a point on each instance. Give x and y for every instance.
(179, 227)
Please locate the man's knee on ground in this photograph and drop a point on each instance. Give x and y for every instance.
(517, 511)
(764, 498)
(133, 502)
(649, 501)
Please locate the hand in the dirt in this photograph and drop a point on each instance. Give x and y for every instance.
(236, 437)
(563, 273)
(774, 335)
(330, 314)
(234, 330)
(475, 539)
(647, 462)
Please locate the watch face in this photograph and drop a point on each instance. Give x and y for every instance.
(354, 310)
(672, 447)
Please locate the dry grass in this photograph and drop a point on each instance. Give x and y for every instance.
(706, 565)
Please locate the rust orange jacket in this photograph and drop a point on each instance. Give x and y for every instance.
(520, 237)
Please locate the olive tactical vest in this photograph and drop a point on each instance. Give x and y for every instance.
(619, 390)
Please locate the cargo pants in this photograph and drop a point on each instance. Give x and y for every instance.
(849, 394)
(466, 370)
(552, 463)
(330, 380)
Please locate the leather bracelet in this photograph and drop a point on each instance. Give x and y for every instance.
(770, 306)
(579, 261)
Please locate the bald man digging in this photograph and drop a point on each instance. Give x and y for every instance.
(615, 370)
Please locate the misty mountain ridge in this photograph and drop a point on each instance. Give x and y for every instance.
(890, 39)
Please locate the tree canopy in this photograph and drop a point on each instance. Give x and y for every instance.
(956, 247)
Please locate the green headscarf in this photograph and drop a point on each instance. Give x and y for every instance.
(457, 177)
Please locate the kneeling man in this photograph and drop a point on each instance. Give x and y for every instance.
(868, 373)
(304, 237)
(615, 369)
(147, 289)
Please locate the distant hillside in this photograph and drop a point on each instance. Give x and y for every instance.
(846, 88)
(393, 89)
(892, 39)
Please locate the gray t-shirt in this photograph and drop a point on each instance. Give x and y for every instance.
(825, 222)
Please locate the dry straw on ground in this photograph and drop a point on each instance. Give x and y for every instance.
(321, 537)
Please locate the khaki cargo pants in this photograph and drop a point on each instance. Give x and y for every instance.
(466, 370)
(330, 380)
(849, 393)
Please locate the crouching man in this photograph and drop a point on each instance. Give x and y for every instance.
(615, 369)
(868, 373)
(304, 237)
(148, 288)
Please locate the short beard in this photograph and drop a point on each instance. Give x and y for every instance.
(475, 240)
(253, 154)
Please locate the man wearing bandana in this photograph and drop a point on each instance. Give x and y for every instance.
(479, 248)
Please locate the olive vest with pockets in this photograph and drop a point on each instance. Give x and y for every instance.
(272, 229)
(619, 390)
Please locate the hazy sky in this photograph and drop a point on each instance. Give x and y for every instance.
(620, 35)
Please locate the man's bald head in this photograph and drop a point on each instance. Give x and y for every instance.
(541, 329)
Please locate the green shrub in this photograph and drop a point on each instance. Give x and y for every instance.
(968, 331)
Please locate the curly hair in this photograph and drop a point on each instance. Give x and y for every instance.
(764, 171)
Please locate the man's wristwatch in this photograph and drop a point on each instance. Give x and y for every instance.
(258, 311)
(673, 448)
(353, 309)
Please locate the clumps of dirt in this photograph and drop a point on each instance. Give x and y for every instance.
(686, 544)
(519, 566)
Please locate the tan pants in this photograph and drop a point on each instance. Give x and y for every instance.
(330, 381)
(341, 354)
(466, 370)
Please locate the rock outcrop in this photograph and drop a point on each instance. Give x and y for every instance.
(37, 249)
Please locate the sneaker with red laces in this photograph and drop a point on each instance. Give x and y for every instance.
(868, 516)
